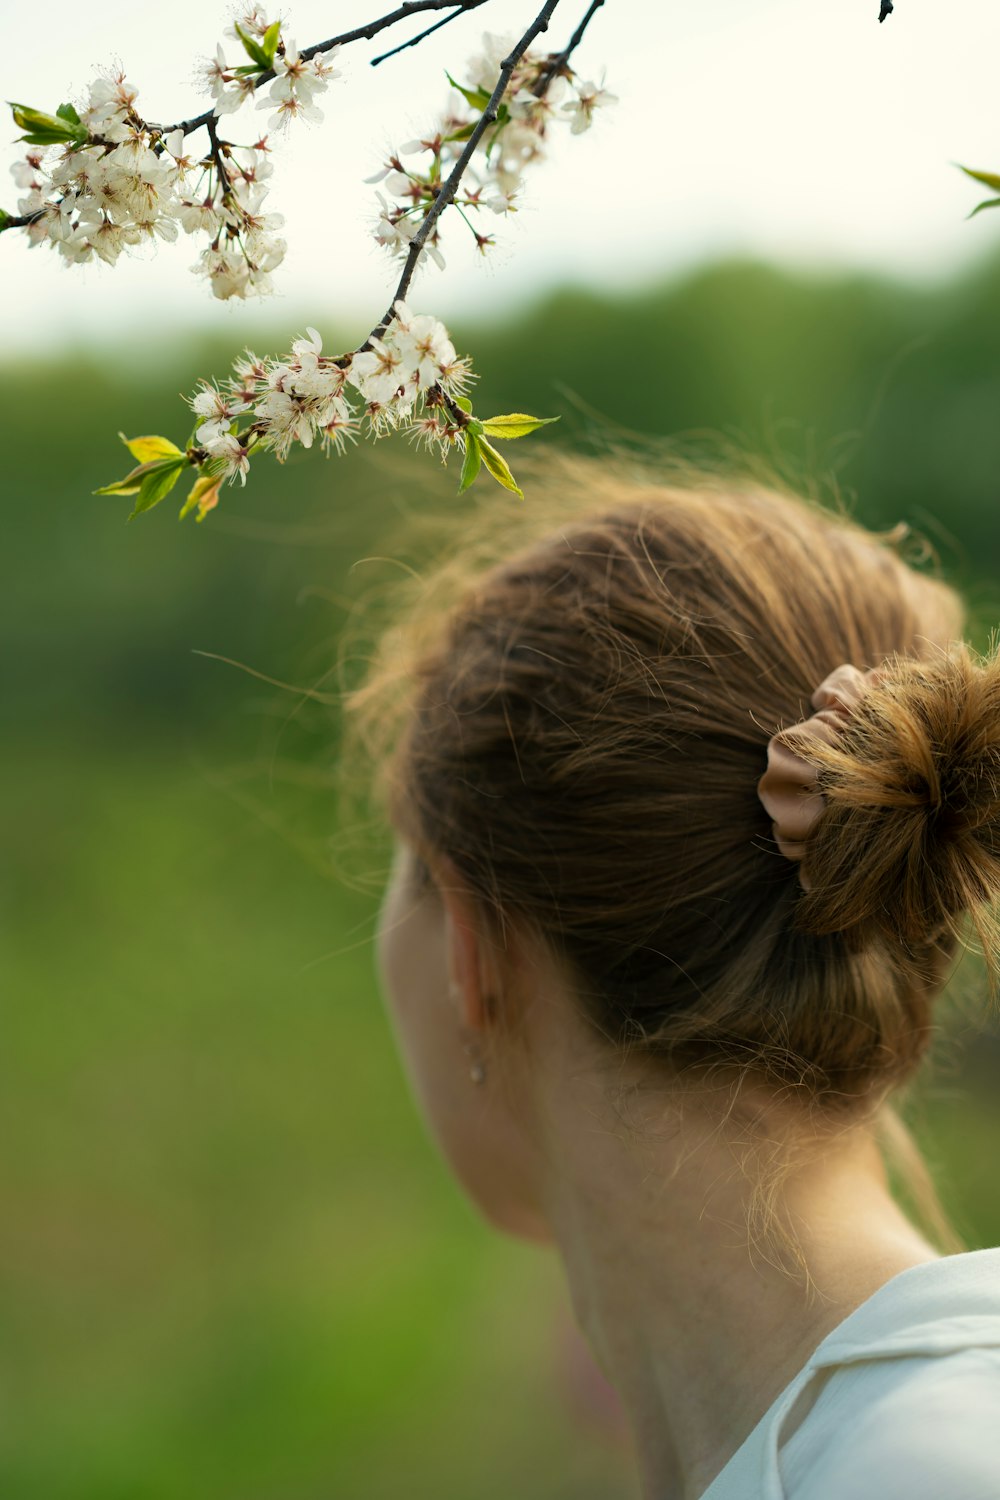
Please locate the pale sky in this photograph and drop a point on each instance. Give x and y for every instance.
(799, 130)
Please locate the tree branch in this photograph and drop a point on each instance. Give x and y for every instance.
(20, 221)
(886, 10)
(559, 61)
(450, 186)
(445, 21)
(217, 157)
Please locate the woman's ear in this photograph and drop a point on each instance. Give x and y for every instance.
(467, 948)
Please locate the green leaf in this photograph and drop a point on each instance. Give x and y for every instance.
(43, 129)
(157, 484)
(515, 424)
(473, 460)
(68, 113)
(498, 467)
(269, 42)
(989, 179)
(477, 98)
(252, 48)
(988, 203)
(463, 403)
(4, 216)
(204, 494)
(130, 484)
(149, 449)
(153, 453)
(135, 482)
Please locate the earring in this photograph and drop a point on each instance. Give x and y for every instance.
(477, 1066)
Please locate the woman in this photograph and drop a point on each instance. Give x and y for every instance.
(695, 790)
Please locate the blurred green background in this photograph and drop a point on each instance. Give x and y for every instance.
(230, 1264)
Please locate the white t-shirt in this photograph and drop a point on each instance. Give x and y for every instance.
(900, 1402)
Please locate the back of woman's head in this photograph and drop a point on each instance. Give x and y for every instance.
(582, 730)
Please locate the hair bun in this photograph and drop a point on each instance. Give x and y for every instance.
(910, 839)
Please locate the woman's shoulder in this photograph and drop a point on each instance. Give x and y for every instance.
(901, 1399)
(905, 1394)
(925, 1425)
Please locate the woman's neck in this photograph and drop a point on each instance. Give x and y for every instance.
(697, 1326)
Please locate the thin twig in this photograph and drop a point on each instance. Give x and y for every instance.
(21, 221)
(463, 10)
(886, 10)
(559, 61)
(217, 157)
(359, 34)
(450, 186)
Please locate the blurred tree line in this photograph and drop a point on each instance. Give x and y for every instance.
(892, 392)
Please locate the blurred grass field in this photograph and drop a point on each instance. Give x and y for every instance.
(231, 1266)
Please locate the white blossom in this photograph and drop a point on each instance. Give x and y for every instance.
(590, 96)
(338, 425)
(228, 457)
(483, 70)
(432, 430)
(295, 85)
(248, 373)
(111, 101)
(321, 64)
(265, 252)
(158, 227)
(502, 201)
(292, 107)
(226, 270)
(215, 73)
(294, 75)
(380, 374)
(434, 252)
(174, 146)
(217, 409)
(393, 229)
(235, 95)
(198, 217)
(28, 173)
(424, 346)
(32, 203)
(253, 21)
(108, 240)
(287, 419)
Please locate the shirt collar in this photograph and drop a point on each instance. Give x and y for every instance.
(932, 1308)
(937, 1307)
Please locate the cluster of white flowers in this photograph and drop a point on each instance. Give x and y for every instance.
(411, 377)
(100, 179)
(297, 80)
(126, 184)
(244, 248)
(494, 178)
(112, 191)
(111, 181)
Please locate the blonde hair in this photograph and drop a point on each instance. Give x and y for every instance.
(577, 717)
